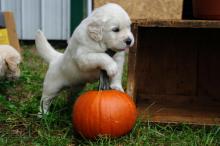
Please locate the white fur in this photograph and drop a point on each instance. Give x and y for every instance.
(85, 54)
(9, 61)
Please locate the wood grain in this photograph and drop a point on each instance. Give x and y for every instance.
(149, 9)
(10, 25)
(131, 83)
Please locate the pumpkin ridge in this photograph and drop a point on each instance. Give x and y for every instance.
(99, 111)
(89, 122)
(111, 119)
(103, 108)
(96, 112)
(86, 110)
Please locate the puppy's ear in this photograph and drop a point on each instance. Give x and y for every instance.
(95, 30)
(12, 63)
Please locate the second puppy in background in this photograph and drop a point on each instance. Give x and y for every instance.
(9, 62)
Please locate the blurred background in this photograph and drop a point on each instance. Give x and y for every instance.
(58, 18)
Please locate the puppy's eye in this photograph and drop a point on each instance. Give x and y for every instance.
(116, 29)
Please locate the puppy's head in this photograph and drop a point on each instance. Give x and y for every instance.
(12, 67)
(110, 25)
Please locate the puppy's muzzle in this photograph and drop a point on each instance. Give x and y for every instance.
(128, 41)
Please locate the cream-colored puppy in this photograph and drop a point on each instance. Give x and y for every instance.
(108, 27)
(9, 62)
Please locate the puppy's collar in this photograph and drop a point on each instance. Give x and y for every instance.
(110, 52)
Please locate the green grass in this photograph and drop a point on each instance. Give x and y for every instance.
(19, 124)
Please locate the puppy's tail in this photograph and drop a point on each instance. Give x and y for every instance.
(46, 51)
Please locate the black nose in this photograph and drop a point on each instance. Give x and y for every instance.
(128, 41)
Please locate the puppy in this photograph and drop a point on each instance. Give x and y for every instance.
(9, 62)
(108, 27)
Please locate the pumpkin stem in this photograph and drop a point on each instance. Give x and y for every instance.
(104, 81)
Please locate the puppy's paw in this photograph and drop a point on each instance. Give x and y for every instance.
(112, 69)
(40, 114)
(117, 87)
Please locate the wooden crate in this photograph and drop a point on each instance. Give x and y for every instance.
(174, 71)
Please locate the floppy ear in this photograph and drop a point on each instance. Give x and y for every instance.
(95, 30)
(12, 63)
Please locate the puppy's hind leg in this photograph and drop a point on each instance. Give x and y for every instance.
(50, 90)
(45, 102)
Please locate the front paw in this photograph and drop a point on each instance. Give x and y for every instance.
(117, 87)
(112, 69)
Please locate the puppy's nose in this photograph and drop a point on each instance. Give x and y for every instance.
(128, 41)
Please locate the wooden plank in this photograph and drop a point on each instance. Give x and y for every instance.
(178, 23)
(209, 65)
(197, 112)
(185, 42)
(10, 25)
(166, 64)
(131, 83)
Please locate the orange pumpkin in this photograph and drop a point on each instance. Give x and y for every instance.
(106, 112)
